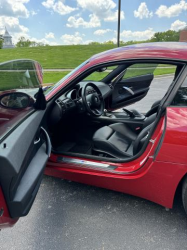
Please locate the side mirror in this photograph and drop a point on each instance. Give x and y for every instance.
(16, 100)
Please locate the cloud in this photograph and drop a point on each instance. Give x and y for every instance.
(14, 8)
(102, 9)
(33, 12)
(50, 35)
(72, 39)
(74, 22)
(113, 17)
(98, 7)
(88, 41)
(143, 11)
(58, 6)
(114, 40)
(128, 35)
(101, 32)
(12, 24)
(178, 25)
(42, 40)
(173, 10)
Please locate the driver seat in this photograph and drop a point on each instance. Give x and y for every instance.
(119, 141)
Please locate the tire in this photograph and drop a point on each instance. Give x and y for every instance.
(184, 194)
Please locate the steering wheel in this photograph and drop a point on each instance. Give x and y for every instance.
(93, 102)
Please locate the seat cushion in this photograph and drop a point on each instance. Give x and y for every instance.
(116, 140)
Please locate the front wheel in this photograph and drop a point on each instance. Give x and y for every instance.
(184, 194)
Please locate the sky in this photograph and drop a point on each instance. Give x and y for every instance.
(65, 22)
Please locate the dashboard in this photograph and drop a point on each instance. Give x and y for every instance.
(72, 100)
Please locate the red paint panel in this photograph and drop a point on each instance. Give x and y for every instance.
(155, 184)
(174, 148)
(5, 220)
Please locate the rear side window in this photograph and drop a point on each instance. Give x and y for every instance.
(180, 98)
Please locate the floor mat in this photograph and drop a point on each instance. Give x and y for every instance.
(79, 147)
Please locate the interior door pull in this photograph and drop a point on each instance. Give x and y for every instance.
(129, 90)
(48, 142)
(37, 141)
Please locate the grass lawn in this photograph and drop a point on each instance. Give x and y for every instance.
(55, 57)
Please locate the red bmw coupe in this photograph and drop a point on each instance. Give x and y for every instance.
(118, 121)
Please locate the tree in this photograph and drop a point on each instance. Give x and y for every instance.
(94, 43)
(109, 42)
(1, 42)
(23, 42)
(167, 36)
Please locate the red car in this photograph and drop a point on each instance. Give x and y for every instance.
(118, 121)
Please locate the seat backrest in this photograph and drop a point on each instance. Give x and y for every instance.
(149, 120)
(154, 108)
(141, 138)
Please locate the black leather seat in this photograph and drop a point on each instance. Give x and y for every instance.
(154, 108)
(119, 141)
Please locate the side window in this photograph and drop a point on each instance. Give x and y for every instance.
(19, 82)
(181, 97)
(149, 83)
(139, 69)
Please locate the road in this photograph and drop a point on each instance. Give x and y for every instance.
(69, 216)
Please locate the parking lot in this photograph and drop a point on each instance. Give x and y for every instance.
(68, 215)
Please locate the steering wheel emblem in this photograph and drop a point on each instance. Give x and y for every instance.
(96, 99)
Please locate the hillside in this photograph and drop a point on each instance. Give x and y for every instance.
(55, 57)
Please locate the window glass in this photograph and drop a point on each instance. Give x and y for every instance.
(19, 82)
(51, 88)
(163, 75)
(21, 75)
(181, 97)
(140, 69)
(97, 76)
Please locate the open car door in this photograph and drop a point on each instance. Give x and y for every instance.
(24, 144)
(131, 85)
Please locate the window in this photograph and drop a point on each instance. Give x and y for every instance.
(20, 80)
(151, 80)
(140, 69)
(181, 97)
(97, 76)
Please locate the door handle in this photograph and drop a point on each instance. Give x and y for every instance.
(129, 90)
(48, 142)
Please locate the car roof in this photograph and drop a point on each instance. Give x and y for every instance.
(164, 50)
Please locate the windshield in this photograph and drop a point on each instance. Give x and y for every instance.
(48, 90)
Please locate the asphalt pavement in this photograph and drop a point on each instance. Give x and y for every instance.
(68, 215)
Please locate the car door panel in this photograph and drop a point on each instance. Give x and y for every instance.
(23, 157)
(130, 90)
